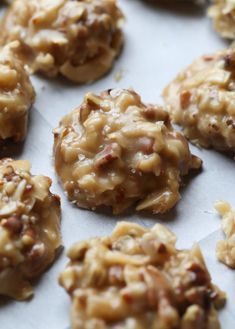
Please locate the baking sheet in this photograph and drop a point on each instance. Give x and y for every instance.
(160, 40)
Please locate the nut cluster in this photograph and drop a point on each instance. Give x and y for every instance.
(201, 100)
(136, 278)
(222, 13)
(16, 95)
(115, 151)
(29, 227)
(78, 39)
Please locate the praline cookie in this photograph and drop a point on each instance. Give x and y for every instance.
(222, 13)
(115, 151)
(137, 279)
(78, 39)
(201, 100)
(29, 227)
(16, 95)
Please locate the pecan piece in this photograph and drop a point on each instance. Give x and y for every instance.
(13, 224)
(185, 99)
(200, 275)
(109, 154)
(229, 61)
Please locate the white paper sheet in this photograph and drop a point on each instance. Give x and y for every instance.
(159, 41)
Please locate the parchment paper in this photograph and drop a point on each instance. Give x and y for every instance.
(159, 41)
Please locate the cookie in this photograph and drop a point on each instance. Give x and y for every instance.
(201, 100)
(222, 14)
(16, 95)
(77, 39)
(115, 151)
(29, 227)
(136, 278)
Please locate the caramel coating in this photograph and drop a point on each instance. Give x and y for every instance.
(222, 13)
(29, 227)
(137, 279)
(78, 39)
(201, 100)
(115, 151)
(16, 95)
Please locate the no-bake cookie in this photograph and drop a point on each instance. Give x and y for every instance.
(137, 279)
(16, 95)
(115, 151)
(222, 13)
(225, 249)
(202, 100)
(29, 227)
(76, 38)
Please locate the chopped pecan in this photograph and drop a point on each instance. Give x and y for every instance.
(116, 274)
(201, 276)
(13, 224)
(229, 61)
(110, 153)
(155, 113)
(185, 99)
(208, 58)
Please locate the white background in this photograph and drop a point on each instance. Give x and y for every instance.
(159, 41)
